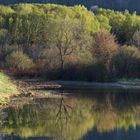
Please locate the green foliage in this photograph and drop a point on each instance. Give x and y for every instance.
(136, 39)
(19, 61)
(6, 51)
(104, 22)
(123, 24)
(57, 11)
(126, 61)
(3, 36)
(68, 41)
(67, 37)
(6, 10)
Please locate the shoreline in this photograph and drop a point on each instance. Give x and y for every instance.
(34, 88)
(74, 85)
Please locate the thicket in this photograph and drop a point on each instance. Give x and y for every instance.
(119, 5)
(61, 42)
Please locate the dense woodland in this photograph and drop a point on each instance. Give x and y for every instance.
(71, 43)
(132, 5)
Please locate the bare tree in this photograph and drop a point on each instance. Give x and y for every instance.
(67, 36)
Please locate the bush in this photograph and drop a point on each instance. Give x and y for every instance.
(19, 61)
(136, 39)
(104, 46)
(5, 51)
(126, 62)
(3, 37)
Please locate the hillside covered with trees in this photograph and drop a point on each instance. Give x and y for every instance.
(131, 5)
(71, 43)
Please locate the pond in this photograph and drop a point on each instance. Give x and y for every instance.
(76, 115)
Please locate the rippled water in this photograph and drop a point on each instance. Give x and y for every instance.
(81, 115)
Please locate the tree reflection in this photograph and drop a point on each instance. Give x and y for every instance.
(73, 117)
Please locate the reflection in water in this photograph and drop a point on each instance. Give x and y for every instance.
(78, 116)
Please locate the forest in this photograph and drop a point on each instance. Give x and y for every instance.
(131, 5)
(69, 42)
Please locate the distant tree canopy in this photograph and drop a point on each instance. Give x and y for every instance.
(131, 5)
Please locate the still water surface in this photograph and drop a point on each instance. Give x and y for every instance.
(81, 115)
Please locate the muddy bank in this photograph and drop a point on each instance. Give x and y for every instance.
(31, 89)
(32, 84)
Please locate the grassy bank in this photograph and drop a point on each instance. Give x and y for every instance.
(7, 89)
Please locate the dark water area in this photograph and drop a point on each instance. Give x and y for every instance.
(80, 115)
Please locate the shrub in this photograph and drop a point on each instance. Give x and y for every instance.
(3, 36)
(19, 61)
(8, 49)
(136, 39)
(5, 51)
(104, 46)
(126, 61)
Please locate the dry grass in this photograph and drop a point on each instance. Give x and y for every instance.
(7, 89)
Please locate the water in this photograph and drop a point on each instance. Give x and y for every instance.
(81, 115)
